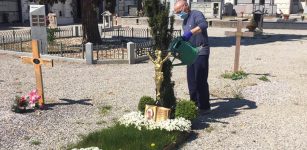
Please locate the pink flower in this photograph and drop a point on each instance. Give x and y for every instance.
(33, 97)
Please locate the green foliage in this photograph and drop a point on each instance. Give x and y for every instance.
(143, 101)
(186, 109)
(209, 129)
(162, 29)
(51, 35)
(264, 78)
(35, 142)
(128, 138)
(235, 75)
(238, 95)
(19, 105)
(104, 109)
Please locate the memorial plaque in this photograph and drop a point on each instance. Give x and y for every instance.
(162, 114)
(38, 26)
(150, 112)
(156, 113)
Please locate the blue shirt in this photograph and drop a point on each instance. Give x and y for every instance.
(196, 18)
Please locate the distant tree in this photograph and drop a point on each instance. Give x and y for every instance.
(111, 4)
(162, 29)
(89, 19)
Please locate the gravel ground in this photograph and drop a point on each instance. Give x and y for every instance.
(271, 115)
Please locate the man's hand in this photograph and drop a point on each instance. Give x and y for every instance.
(187, 35)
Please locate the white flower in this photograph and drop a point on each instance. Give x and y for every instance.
(137, 120)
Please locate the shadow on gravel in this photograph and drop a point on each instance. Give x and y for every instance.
(68, 102)
(225, 107)
(258, 39)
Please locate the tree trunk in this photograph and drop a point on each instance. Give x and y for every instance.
(90, 21)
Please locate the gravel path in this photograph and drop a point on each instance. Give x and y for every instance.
(272, 115)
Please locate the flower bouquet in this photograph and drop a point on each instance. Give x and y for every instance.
(23, 103)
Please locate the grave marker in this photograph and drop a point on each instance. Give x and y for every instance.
(238, 35)
(37, 62)
(38, 26)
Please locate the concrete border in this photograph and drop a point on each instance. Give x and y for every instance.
(55, 58)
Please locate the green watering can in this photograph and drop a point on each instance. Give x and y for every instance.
(183, 51)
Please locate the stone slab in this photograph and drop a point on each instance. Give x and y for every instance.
(38, 26)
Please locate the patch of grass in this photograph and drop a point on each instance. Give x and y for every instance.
(101, 122)
(237, 92)
(121, 137)
(209, 129)
(264, 78)
(35, 142)
(234, 75)
(79, 122)
(26, 138)
(126, 111)
(103, 110)
(238, 95)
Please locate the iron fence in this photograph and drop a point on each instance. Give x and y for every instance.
(113, 46)
(142, 49)
(64, 32)
(110, 50)
(69, 51)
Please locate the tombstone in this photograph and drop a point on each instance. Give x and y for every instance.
(133, 10)
(38, 26)
(52, 20)
(305, 9)
(107, 19)
(228, 9)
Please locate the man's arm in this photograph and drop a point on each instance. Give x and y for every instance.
(201, 22)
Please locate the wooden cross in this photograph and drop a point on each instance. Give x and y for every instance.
(37, 61)
(238, 35)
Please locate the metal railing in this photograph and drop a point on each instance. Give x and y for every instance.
(71, 51)
(113, 50)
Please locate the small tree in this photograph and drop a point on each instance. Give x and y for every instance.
(161, 30)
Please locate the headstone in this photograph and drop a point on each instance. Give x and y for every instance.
(305, 9)
(238, 35)
(228, 9)
(37, 61)
(52, 20)
(107, 19)
(38, 26)
(133, 10)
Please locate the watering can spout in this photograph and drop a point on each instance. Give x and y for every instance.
(183, 51)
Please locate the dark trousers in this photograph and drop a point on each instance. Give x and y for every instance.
(197, 75)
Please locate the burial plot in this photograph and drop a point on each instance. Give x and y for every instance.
(37, 62)
(238, 35)
(38, 26)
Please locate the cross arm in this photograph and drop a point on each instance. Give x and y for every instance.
(242, 34)
(37, 61)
